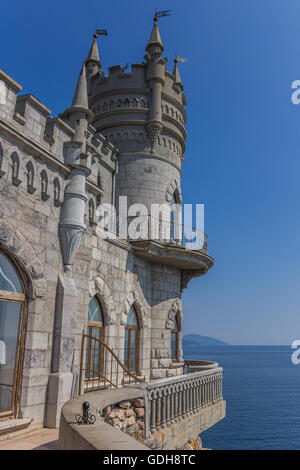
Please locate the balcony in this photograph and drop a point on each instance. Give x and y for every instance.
(175, 410)
(160, 241)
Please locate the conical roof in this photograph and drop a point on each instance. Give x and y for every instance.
(155, 38)
(80, 98)
(93, 55)
(176, 72)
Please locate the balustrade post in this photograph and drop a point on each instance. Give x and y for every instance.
(187, 398)
(163, 412)
(181, 398)
(172, 408)
(153, 415)
(158, 412)
(168, 406)
(184, 402)
(179, 405)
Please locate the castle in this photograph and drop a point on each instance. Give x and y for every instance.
(62, 282)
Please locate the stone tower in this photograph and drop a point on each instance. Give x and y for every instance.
(142, 113)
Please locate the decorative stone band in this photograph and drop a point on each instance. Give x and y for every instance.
(174, 399)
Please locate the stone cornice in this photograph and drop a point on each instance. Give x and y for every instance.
(10, 81)
(121, 111)
(173, 121)
(34, 102)
(34, 147)
(39, 151)
(118, 91)
(175, 103)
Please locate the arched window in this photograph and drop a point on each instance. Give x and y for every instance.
(15, 169)
(91, 212)
(44, 186)
(94, 352)
(30, 178)
(131, 350)
(175, 223)
(56, 192)
(175, 341)
(12, 312)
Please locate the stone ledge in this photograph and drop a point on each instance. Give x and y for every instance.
(98, 436)
(14, 427)
(10, 81)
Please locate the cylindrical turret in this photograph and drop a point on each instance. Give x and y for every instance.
(142, 112)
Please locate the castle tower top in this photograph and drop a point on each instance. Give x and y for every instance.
(93, 62)
(155, 45)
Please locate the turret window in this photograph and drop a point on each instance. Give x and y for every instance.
(30, 178)
(56, 192)
(44, 186)
(15, 169)
(175, 341)
(91, 212)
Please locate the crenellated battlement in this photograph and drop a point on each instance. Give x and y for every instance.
(32, 149)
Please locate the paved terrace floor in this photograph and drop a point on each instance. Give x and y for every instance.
(41, 439)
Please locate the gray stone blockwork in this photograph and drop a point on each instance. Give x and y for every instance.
(124, 152)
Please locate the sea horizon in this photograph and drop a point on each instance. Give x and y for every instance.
(260, 387)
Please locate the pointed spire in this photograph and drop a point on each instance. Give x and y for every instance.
(155, 39)
(80, 99)
(93, 55)
(176, 71)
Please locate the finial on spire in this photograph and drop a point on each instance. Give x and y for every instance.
(176, 69)
(155, 39)
(93, 56)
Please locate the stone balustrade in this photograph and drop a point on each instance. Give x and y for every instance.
(172, 400)
(192, 365)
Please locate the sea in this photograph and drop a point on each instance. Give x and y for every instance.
(261, 387)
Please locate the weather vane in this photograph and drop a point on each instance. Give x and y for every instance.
(160, 14)
(101, 32)
(180, 59)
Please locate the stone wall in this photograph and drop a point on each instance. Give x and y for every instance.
(33, 177)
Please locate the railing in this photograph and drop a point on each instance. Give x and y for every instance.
(151, 228)
(174, 399)
(191, 365)
(100, 368)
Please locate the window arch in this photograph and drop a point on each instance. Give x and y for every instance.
(175, 223)
(44, 185)
(175, 340)
(94, 350)
(12, 321)
(30, 177)
(15, 168)
(131, 349)
(56, 191)
(91, 212)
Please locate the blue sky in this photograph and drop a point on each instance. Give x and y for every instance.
(243, 149)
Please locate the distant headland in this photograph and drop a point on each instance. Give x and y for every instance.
(194, 340)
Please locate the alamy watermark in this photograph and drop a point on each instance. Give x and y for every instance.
(176, 223)
(296, 354)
